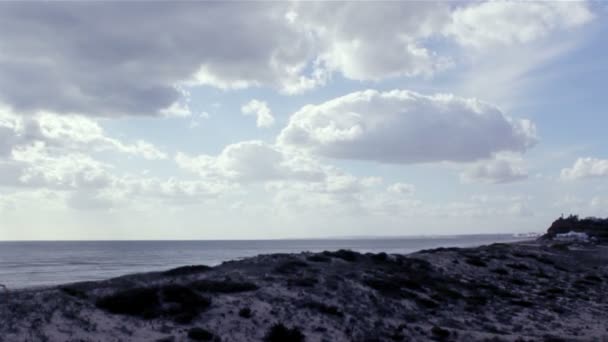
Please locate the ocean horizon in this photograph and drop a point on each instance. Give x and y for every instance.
(44, 263)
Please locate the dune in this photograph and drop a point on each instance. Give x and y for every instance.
(540, 290)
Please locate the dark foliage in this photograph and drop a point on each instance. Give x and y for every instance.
(303, 282)
(523, 303)
(318, 258)
(280, 333)
(500, 271)
(520, 267)
(343, 254)
(200, 334)
(380, 257)
(186, 270)
(290, 267)
(177, 302)
(475, 261)
(223, 286)
(324, 309)
(440, 333)
(245, 313)
(74, 292)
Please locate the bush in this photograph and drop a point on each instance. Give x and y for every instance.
(475, 261)
(290, 267)
(223, 286)
(343, 254)
(380, 257)
(303, 282)
(440, 333)
(142, 302)
(280, 333)
(500, 271)
(324, 309)
(148, 303)
(200, 334)
(186, 270)
(520, 267)
(74, 292)
(318, 258)
(245, 313)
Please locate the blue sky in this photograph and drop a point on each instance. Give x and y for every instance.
(273, 120)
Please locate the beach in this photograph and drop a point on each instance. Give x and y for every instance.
(524, 291)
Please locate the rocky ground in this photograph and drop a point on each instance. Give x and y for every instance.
(536, 291)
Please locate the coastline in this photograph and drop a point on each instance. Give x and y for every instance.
(532, 290)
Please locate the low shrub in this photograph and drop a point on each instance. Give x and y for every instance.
(303, 282)
(440, 333)
(520, 267)
(200, 334)
(280, 333)
(475, 261)
(186, 270)
(245, 313)
(500, 271)
(343, 254)
(149, 302)
(223, 286)
(324, 308)
(318, 258)
(74, 292)
(290, 267)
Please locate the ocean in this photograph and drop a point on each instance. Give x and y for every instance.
(42, 263)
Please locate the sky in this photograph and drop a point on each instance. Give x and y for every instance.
(263, 120)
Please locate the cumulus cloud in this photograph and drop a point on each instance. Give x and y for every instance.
(586, 168)
(260, 110)
(401, 188)
(504, 168)
(402, 126)
(73, 62)
(487, 24)
(251, 161)
(69, 133)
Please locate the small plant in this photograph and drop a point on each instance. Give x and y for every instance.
(186, 270)
(200, 334)
(318, 258)
(223, 286)
(343, 254)
(74, 292)
(180, 303)
(280, 333)
(331, 310)
(440, 333)
(290, 267)
(303, 282)
(475, 261)
(245, 313)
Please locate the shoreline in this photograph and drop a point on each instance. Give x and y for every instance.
(538, 290)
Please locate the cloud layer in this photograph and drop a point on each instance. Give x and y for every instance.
(65, 58)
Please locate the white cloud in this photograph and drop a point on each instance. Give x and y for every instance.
(65, 171)
(504, 168)
(66, 132)
(487, 24)
(260, 110)
(401, 126)
(134, 68)
(401, 188)
(251, 161)
(585, 168)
